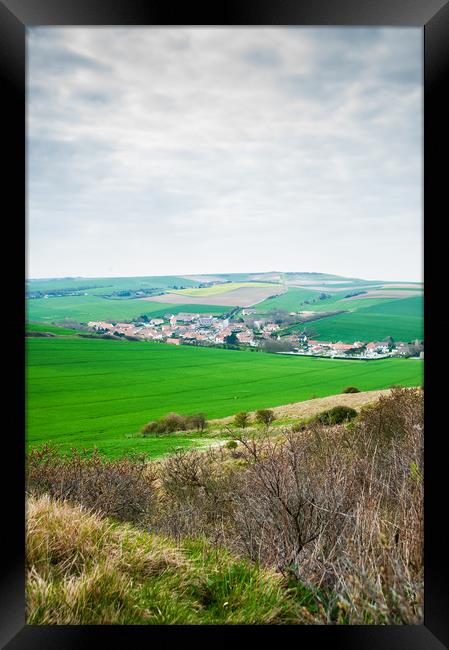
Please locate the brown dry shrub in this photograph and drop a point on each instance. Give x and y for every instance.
(123, 488)
(338, 509)
(197, 493)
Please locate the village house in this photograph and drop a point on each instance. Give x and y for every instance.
(183, 317)
(205, 321)
(150, 333)
(403, 349)
(156, 321)
(100, 325)
(124, 328)
(271, 327)
(174, 341)
(341, 347)
(245, 337)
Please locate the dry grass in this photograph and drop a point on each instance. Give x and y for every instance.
(314, 406)
(243, 297)
(82, 569)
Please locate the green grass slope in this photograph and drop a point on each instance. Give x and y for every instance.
(87, 308)
(86, 392)
(289, 301)
(52, 329)
(107, 285)
(402, 319)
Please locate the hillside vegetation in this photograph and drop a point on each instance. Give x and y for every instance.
(83, 569)
(318, 525)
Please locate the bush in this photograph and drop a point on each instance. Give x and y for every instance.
(336, 415)
(122, 488)
(297, 427)
(241, 420)
(265, 416)
(351, 389)
(392, 418)
(197, 421)
(232, 444)
(150, 428)
(174, 422)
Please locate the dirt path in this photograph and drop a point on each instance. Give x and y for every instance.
(314, 406)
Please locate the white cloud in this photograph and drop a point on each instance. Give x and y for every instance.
(189, 150)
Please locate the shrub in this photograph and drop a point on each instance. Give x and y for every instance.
(336, 415)
(197, 421)
(297, 427)
(150, 428)
(172, 422)
(265, 416)
(241, 420)
(232, 444)
(351, 389)
(392, 418)
(122, 488)
(197, 495)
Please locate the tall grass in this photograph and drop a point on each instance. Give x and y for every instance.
(83, 569)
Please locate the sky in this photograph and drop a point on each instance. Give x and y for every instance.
(156, 151)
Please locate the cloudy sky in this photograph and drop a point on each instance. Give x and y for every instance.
(158, 151)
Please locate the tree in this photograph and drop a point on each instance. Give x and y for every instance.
(265, 416)
(272, 345)
(231, 339)
(390, 341)
(197, 421)
(241, 420)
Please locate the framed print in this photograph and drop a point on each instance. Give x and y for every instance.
(222, 384)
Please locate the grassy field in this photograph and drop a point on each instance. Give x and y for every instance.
(87, 308)
(222, 288)
(107, 285)
(86, 392)
(402, 319)
(52, 329)
(289, 301)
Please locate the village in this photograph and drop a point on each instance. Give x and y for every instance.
(263, 333)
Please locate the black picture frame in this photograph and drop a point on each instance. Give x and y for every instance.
(433, 17)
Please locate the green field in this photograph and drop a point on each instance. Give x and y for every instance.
(289, 301)
(107, 285)
(402, 319)
(52, 329)
(88, 308)
(86, 392)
